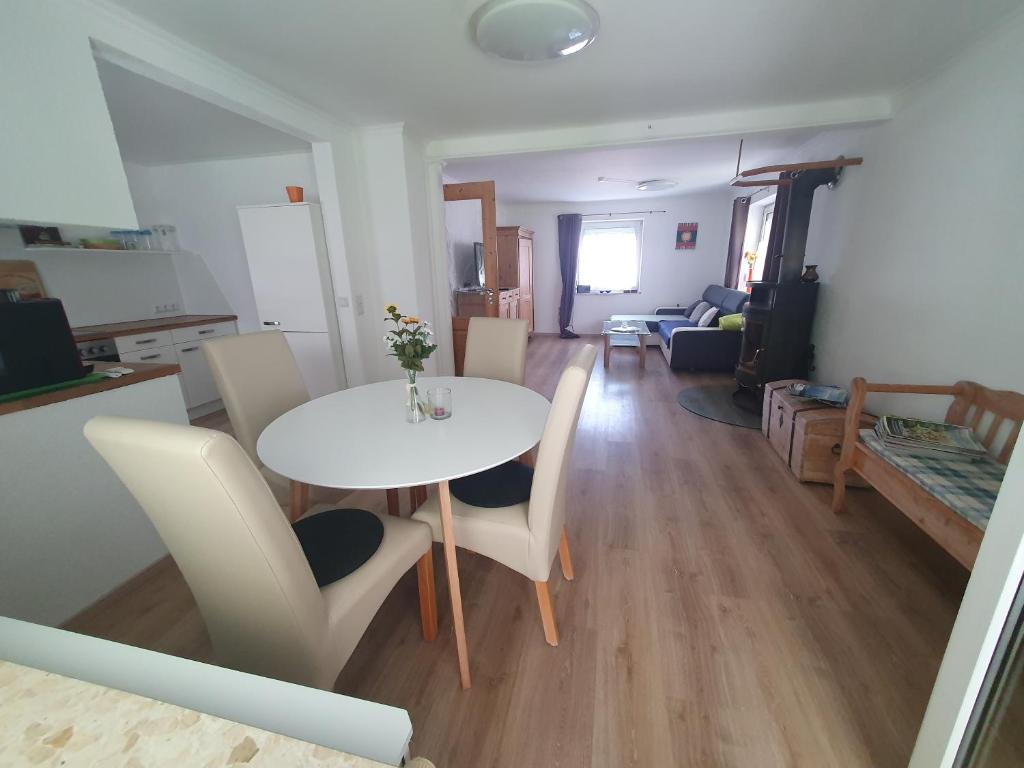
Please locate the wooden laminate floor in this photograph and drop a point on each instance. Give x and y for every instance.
(720, 616)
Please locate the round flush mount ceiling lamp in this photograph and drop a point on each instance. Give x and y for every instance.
(534, 30)
(647, 185)
(654, 185)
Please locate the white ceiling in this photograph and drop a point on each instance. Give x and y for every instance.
(158, 125)
(571, 176)
(412, 60)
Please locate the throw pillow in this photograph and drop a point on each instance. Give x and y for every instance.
(707, 318)
(731, 322)
(689, 310)
(698, 311)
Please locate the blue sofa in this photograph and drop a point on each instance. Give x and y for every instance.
(689, 348)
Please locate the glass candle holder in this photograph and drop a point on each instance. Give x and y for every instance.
(440, 402)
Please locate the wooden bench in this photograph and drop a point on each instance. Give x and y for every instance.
(994, 415)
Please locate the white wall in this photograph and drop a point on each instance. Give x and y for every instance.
(201, 199)
(667, 276)
(71, 531)
(58, 155)
(463, 228)
(396, 195)
(920, 247)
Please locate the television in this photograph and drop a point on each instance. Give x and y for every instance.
(478, 257)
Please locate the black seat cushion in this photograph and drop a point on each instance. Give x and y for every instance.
(337, 541)
(500, 486)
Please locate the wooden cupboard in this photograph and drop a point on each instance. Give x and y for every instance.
(515, 271)
(515, 276)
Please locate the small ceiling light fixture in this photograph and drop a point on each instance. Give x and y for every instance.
(647, 185)
(534, 30)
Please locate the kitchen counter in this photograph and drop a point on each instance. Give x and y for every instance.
(142, 372)
(55, 720)
(93, 332)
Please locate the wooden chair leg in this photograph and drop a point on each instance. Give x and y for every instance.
(564, 557)
(428, 597)
(417, 495)
(547, 612)
(393, 502)
(299, 500)
(839, 491)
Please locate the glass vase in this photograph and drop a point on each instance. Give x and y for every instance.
(414, 410)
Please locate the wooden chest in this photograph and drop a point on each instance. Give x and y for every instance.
(806, 434)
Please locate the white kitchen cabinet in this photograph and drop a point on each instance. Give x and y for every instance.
(127, 345)
(203, 332)
(196, 376)
(182, 347)
(160, 356)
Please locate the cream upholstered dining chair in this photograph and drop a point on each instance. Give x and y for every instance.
(496, 349)
(258, 380)
(287, 602)
(515, 514)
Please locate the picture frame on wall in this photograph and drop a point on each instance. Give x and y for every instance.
(686, 236)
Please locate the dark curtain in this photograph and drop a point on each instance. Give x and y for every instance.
(569, 226)
(734, 258)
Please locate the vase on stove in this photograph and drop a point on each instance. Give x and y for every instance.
(810, 274)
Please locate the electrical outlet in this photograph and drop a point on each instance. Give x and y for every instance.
(360, 308)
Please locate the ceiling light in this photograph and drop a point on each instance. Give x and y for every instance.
(648, 185)
(654, 185)
(534, 30)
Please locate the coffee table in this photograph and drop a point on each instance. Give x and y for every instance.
(625, 333)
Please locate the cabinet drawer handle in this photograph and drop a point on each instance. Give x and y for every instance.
(144, 341)
(189, 349)
(205, 331)
(837, 449)
(151, 357)
(270, 322)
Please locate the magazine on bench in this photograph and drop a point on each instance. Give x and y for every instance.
(929, 438)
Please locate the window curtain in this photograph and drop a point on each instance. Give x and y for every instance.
(569, 226)
(738, 233)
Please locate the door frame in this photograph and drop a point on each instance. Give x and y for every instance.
(484, 192)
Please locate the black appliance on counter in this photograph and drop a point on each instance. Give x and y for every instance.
(36, 346)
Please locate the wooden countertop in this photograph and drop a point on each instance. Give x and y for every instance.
(54, 720)
(142, 372)
(91, 332)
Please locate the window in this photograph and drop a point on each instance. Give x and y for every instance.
(609, 259)
(761, 247)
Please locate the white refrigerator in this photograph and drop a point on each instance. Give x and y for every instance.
(291, 279)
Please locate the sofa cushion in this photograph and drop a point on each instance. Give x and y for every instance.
(693, 306)
(731, 322)
(709, 318)
(714, 294)
(726, 299)
(665, 327)
(697, 312)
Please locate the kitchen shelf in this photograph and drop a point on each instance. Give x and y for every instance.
(57, 249)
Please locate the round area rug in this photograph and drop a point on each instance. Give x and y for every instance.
(714, 401)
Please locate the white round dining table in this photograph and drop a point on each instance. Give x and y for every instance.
(359, 439)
